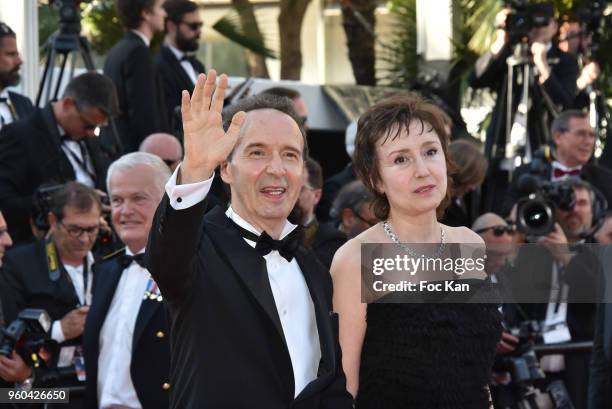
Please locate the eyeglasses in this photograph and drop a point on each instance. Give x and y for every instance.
(89, 125)
(76, 231)
(193, 26)
(499, 230)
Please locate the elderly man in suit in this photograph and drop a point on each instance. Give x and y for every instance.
(130, 65)
(250, 309)
(55, 144)
(127, 354)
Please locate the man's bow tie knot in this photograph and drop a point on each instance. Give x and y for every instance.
(559, 173)
(264, 244)
(125, 260)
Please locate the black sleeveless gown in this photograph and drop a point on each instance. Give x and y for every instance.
(428, 355)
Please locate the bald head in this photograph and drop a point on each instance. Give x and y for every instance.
(165, 146)
(488, 220)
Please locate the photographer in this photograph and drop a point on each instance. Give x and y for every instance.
(574, 142)
(56, 274)
(12, 369)
(562, 265)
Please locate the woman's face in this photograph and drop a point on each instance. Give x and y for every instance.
(412, 170)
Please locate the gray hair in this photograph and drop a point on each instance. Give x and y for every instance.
(351, 196)
(131, 160)
(561, 122)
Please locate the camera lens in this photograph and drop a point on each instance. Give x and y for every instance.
(535, 217)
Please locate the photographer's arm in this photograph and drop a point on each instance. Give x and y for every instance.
(13, 369)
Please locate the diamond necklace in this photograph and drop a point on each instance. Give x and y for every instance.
(389, 232)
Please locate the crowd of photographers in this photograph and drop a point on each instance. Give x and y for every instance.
(77, 203)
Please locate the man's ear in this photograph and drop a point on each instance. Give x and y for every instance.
(52, 219)
(317, 195)
(226, 172)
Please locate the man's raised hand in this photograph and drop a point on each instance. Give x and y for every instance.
(206, 143)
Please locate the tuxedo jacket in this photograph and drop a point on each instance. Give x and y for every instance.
(325, 242)
(141, 101)
(22, 104)
(227, 341)
(174, 80)
(596, 175)
(149, 367)
(30, 155)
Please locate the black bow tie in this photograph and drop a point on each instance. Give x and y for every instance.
(190, 58)
(286, 247)
(125, 260)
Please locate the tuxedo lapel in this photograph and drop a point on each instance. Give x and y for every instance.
(145, 313)
(184, 80)
(106, 284)
(249, 265)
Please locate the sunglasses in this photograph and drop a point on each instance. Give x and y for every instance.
(499, 230)
(193, 26)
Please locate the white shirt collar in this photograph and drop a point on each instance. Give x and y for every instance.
(129, 252)
(559, 165)
(4, 93)
(177, 53)
(235, 217)
(142, 37)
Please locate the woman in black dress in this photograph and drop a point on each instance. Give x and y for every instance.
(410, 355)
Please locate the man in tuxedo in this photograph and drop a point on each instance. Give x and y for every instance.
(574, 142)
(352, 209)
(13, 106)
(127, 353)
(130, 65)
(250, 309)
(176, 61)
(56, 274)
(55, 144)
(322, 238)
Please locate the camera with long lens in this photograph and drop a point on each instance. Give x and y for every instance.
(28, 334)
(525, 17)
(535, 213)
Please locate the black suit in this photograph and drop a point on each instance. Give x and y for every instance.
(324, 239)
(228, 344)
(150, 363)
(21, 104)
(331, 188)
(597, 176)
(141, 101)
(30, 155)
(600, 385)
(174, 79)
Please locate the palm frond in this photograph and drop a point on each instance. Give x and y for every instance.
(229, 26)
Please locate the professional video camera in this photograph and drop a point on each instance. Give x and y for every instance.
(528, 386)
(525, 17)
(69, 14)
(28, 335)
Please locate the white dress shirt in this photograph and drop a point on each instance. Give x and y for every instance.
(191, 73)
(115, 386)
(5, 111)
(291, 295)
(72, 149)
(559, 165)
(76, 277)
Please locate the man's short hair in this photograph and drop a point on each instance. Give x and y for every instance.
(265, 101)
(351, 196)
(176, 9)
(315, 173)
(561, 122)
(94, 90)
(130, 11)
(74, 194)
(282, 92)
(6, 31)
(131, 160)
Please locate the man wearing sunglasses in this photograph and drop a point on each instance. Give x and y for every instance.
(56, 274)
(56, 144)
(176, 61)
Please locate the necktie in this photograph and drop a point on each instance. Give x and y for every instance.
(559, 173)
(287, 247)
(125, 260)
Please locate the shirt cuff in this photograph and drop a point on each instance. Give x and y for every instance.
(56, 332)
(187, 195)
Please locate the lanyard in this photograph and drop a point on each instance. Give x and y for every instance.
(82, 163)
(85, 279)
